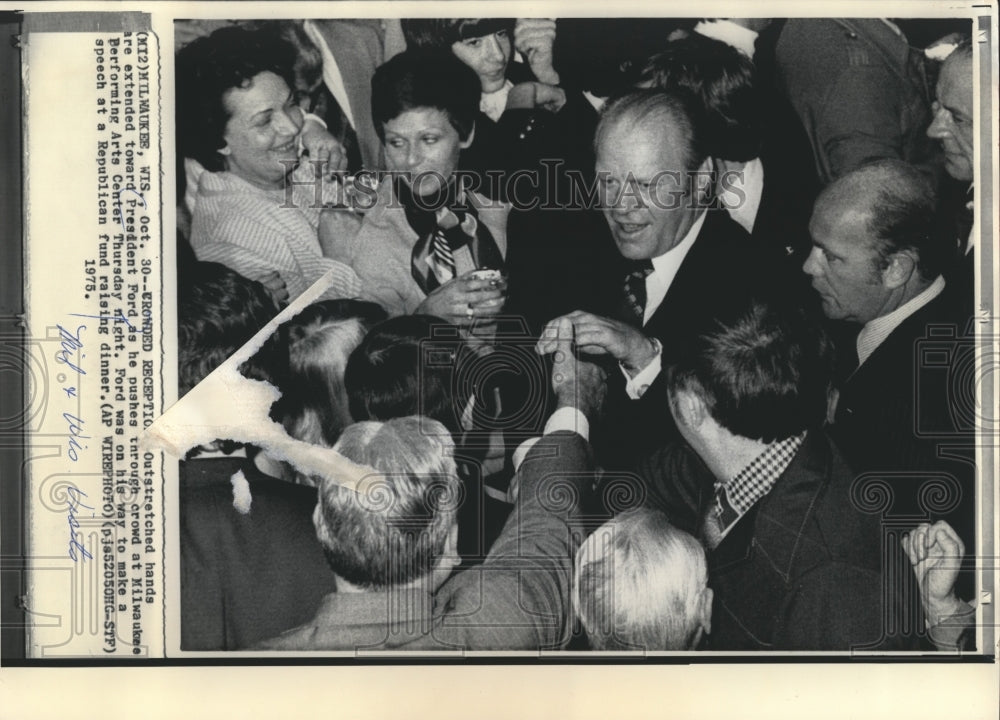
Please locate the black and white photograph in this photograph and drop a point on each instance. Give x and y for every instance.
(577, 351)
(625, 315)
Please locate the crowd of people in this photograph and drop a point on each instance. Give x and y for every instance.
(652, 338)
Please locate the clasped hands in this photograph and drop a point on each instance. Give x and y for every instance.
(600, 336)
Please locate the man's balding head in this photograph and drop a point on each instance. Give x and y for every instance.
(674, 113)
(874, 245)
(649, 154)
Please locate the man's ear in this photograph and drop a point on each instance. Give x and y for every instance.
(225, 150)
(902, 266)
(468, 141)
(689, 407)
(705, 609)
(319, 525)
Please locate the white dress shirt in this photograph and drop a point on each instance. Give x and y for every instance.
(737, 36)
(658, 282)
(876, 331)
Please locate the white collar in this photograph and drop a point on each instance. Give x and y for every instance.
(876, 331)
(737, 36)
(676, 254)
(493, 104)
(742, 200)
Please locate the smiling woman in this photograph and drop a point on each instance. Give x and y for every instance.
(263, 131)
(237, 117)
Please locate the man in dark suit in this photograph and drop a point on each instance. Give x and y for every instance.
(906, 414)
(795, 559)
(680, 262)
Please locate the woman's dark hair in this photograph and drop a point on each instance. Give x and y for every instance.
(210, 66)
(218, 311)
(723, 80)
(406, 366)
(426, 79)
(442, 33)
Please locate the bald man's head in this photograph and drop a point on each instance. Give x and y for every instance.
(874, 244)
(899, 203)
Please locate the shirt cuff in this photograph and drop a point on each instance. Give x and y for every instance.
(565, 418)
(637, 386)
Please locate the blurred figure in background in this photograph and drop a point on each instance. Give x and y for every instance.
(860, 90)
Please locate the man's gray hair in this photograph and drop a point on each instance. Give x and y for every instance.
(392, 533)
(638, 584)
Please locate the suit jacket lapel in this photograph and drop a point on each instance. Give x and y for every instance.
(776, 524)
(735, 546)
(689, 279)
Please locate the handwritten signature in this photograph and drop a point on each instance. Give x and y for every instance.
(75, 431)
(70, 345)
(74, 504)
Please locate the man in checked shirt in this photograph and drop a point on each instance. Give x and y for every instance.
(797, 556)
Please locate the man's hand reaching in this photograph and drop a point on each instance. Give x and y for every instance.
(576, 383)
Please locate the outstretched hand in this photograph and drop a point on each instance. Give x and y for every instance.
(596, 335)
(576, 383)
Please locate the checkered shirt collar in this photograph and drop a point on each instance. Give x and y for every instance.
(756, 480)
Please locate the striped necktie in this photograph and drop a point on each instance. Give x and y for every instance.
(443, 258)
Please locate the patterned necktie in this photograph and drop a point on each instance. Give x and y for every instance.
(445, 224)
(443, 258)
(634, 290)
(720, 516)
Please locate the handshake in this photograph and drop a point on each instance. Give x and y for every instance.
(576, 382)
